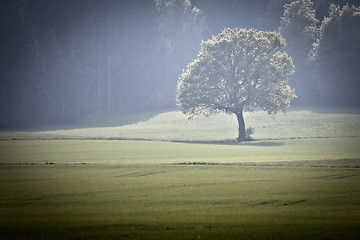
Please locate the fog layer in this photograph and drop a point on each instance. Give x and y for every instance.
(66, 59)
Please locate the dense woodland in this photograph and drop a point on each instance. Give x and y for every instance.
(65, 59)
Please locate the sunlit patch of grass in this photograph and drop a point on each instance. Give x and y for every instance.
(173, 126)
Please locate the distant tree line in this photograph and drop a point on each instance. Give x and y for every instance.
(325, 49)
(63, 59)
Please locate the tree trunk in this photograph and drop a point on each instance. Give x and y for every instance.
(240, 118)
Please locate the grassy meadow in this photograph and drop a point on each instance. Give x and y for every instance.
(164, 178)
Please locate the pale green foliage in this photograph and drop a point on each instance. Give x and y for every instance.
(237, 70)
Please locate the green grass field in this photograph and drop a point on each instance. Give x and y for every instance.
(299, 180)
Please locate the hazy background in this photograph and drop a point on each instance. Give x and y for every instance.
(62, 60)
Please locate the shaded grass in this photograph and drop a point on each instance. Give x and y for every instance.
(338, 163)
(142, 201)
(204, 231)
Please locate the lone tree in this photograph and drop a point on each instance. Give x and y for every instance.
(238, 70)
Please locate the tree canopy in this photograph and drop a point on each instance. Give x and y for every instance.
(336, 56)
(237, 70)
(299, 27)
(299, 22)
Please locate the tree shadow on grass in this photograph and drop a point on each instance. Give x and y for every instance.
(262, 143)
(234, 142)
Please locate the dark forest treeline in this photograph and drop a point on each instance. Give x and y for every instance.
(63, 59)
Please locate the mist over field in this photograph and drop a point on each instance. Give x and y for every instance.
(179, 119)
(63, 60)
